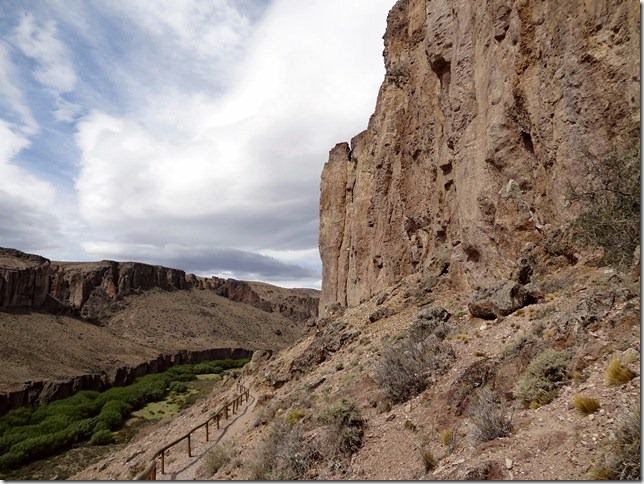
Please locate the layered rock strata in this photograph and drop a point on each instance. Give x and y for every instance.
(487, 111)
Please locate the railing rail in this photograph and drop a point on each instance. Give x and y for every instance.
(149, 473)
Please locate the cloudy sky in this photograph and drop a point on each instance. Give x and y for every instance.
(186, 133)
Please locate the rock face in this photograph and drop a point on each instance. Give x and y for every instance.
(487, 111)
(92, 288)
(28, 280)
(297, 305)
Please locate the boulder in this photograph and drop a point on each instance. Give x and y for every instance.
(501, 299)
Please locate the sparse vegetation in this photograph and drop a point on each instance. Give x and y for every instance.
(285, 454)
(408, 364)
(218, 456)
(611, 204)
(489, 416)
(543, 377)
(621, 460)
(585, 405)
(618, 374)
(346, 428)
(449, 438)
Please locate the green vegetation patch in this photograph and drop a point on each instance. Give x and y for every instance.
(31, 433)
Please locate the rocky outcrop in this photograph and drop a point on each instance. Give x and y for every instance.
(486, 112)
(24, 279)
(294, 304)
(42, 392)
(88, 288)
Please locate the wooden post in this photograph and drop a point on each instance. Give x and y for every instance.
(226, 412)
(207, 430)
(154, 471)
(163, 462)
(189, 450)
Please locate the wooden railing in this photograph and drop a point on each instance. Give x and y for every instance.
(150, 471)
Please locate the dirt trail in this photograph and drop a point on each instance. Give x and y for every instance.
(180, 467)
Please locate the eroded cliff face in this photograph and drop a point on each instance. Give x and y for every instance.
(28, 280)
(487, 111)
(93, 289)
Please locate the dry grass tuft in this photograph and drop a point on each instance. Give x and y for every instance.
(585, 405)
(618, 374)
(428, 458)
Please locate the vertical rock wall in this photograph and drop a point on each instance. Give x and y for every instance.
(487, 111)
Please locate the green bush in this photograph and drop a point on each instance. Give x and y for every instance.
(178, 387)
(543, 377)
(31, 433)
(610, 196)
(102, 437)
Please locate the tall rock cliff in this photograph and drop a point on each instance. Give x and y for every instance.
(487, 110)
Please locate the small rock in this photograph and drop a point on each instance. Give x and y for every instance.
(591, 417)
(508, 463)
(390, 417)
(483, 327)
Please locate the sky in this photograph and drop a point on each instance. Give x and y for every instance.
(185, 133)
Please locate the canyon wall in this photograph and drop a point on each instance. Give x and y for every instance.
(488, 109)
(91, 289)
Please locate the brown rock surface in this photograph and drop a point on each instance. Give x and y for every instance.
(484, 115)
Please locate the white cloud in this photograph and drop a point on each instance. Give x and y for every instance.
(42, 44)
(25, 200)
(199, 128)
(240, 170)
(12, 95)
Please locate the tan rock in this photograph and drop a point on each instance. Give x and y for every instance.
(484, 115)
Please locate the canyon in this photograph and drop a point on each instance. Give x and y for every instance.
(68, 326)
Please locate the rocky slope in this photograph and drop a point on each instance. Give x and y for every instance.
(487, 111)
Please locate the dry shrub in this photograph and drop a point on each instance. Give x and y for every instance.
(218, 456)
(610, 197)
(345, 429)
(428, 458)
(449, 438)
(408, 364)
(585, 405)
(543, 377)
(285, 454)
(618, 374)
(622, 458)
(489, 416)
